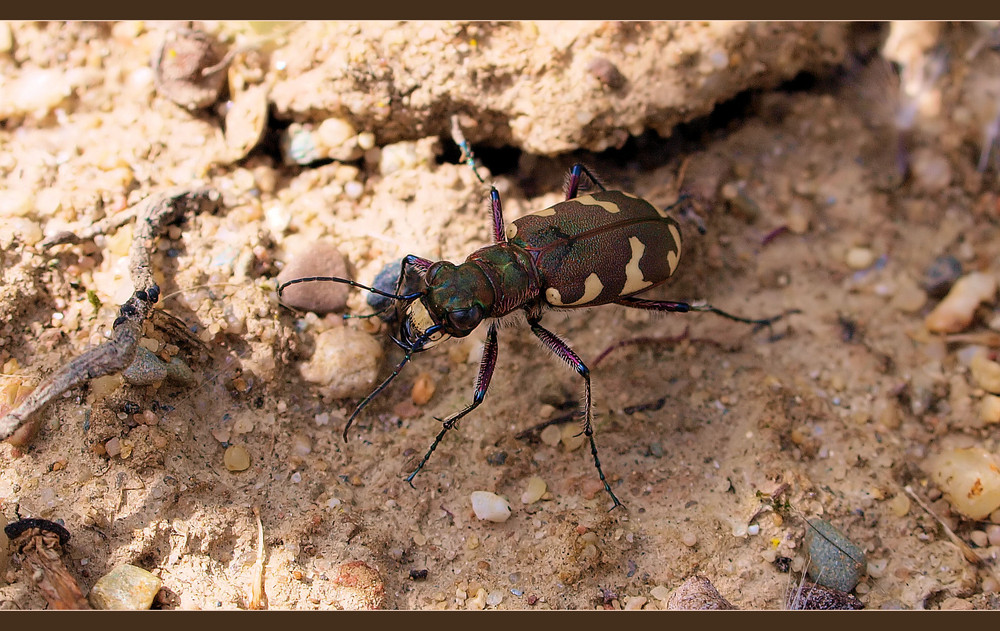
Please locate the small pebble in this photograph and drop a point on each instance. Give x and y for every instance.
(969, 478)
(689, 539)
(301, 445)
(956, 311)
(494, 598)
(606, 72)
(993, 534)
(125, 588)
(635, 603)
(321, 258)
(899, 505)
(660, 592)
(798, 217)
(980, 538)
(179, 66)
(815, 597)
(697, 593)
(909, 298)
(299, 145)
(423, 388)
(989, 409)
(345, 363)
(113, 447)
(859, 258)
(877, 568)
(336, 138)
(357, 587)
(940, 275)
(536, 489)
(408, 155)
(477, 602)
(385, 280)
(246, 121)
(985, 372)
(930, 170)
(834, 560)
(237, 458)
(572, 437)
(551, 435)
(490, 506)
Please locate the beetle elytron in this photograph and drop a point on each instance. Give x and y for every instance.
(588, 250)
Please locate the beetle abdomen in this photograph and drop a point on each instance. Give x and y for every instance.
(594, 249)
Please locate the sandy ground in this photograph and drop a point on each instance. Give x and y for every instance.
(814, 199)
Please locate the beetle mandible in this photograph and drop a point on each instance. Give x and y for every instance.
(588, 250)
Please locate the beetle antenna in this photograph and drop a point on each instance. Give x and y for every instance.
(334, 279)
(467, 156)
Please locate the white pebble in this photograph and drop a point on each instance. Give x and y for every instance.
(859, 258)
(490, 506)
(689, 539)
(877, 567)
(969, 478)
(551, 435)
(989, 411)
(494, 598)
(753, 529)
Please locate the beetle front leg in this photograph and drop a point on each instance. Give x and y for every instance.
(412, 270)
(486, 366)
(565, 353)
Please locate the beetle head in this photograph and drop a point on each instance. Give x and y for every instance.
(454, 301)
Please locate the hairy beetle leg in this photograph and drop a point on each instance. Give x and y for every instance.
(562, 350)
(486, 367)
(683, 307)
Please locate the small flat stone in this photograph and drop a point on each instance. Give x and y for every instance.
(237, 458)
(490, 506)
(321, 258)
(126, 587)
(835, 561)
(535, 490)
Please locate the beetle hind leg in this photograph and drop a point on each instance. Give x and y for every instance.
(565, 353)
(573, 180)
(683, 307)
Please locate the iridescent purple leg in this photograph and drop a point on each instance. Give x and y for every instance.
(499, 234)
(486, 366)
(573, 182)
(565, 353)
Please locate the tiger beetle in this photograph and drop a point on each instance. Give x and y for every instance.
(593, 249)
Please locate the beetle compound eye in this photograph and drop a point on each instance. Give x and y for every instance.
(466, 319)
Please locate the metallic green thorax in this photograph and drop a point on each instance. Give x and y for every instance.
(492, 282)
